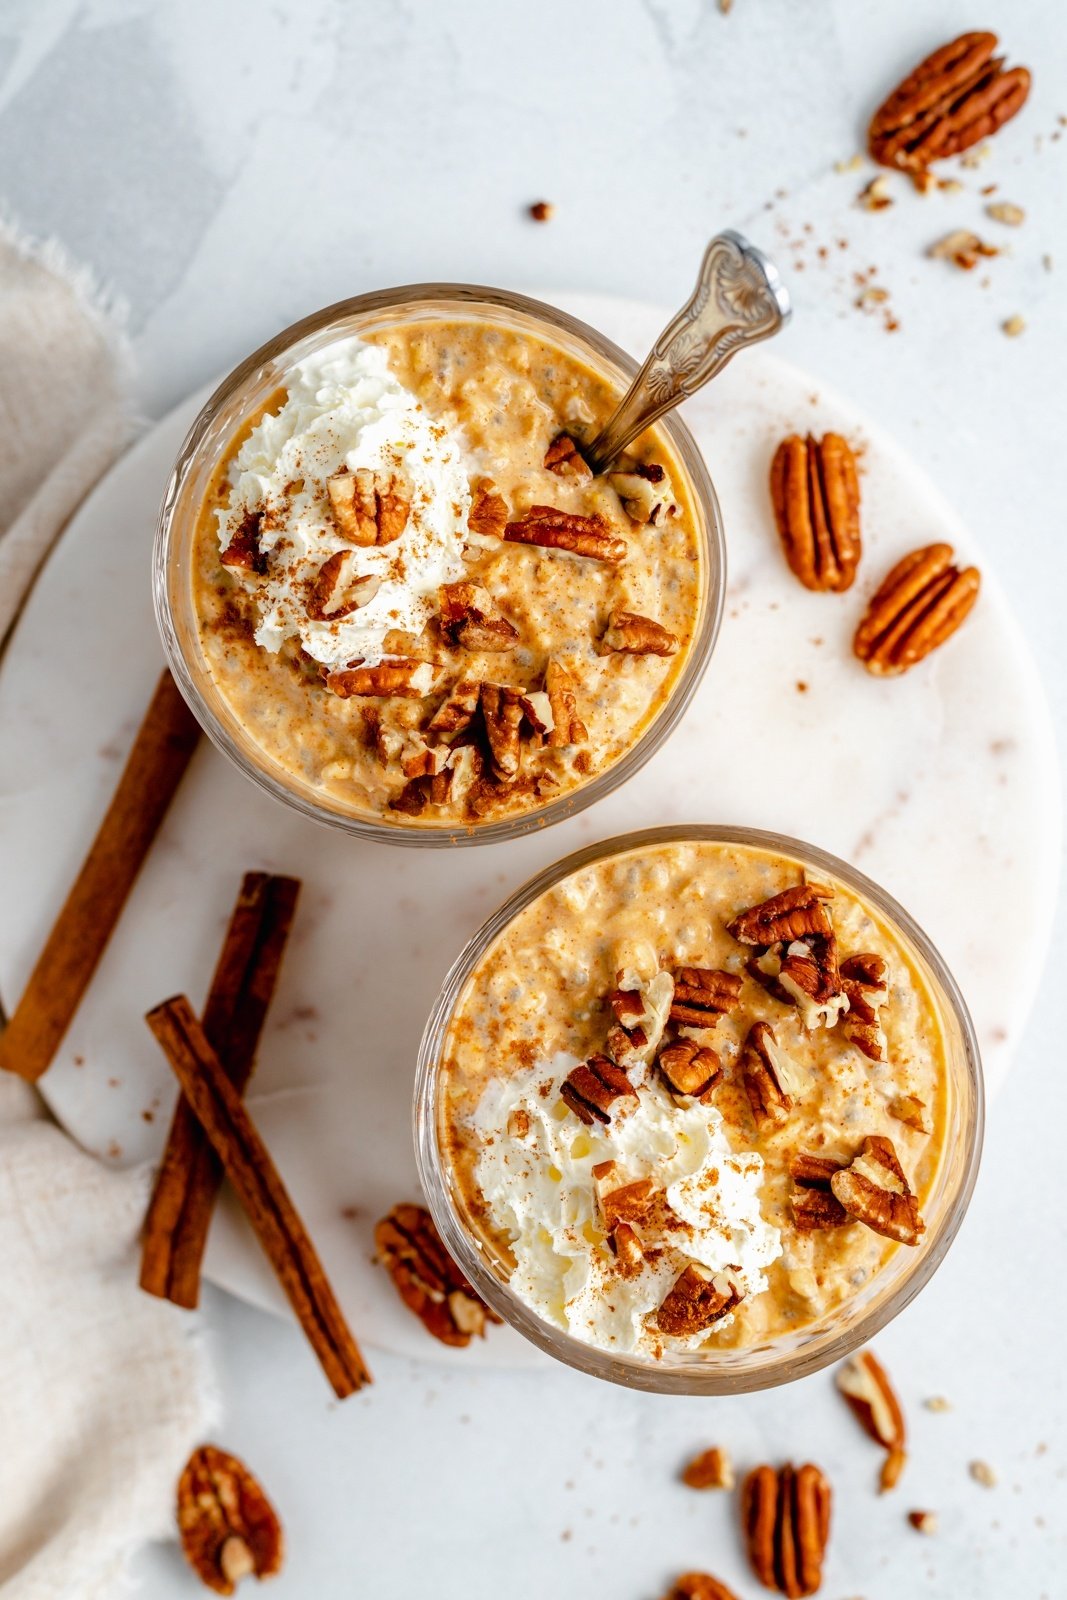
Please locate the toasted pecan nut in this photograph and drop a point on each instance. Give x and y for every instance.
(912, 1111)
(645, 492)
(810, 976)
(958, 95)
(690, 1068)
(401, 676)
(565, 459)
(488, 514)
(633, 635)
(593, 1087)
(567, 530)
(711, 1469)
(641, 1016)
(864, 980)
(865, 1384)
(795, 913)
(427, 1279)
(920, 604)
(626, 1248)
(244, 552)
(502, 714)
(699, 1586)
(458, 709)
(561, 688)
(696, 1300)
(874, 1190)
(785, 1516)
(622, 1199)
(471, 619)
(702, 995)
(815, 492)
(367, 507)
(338, 589)
(768, 1080)
(228, 1527)
(812, 1198)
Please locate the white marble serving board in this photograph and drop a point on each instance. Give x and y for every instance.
(941, 785)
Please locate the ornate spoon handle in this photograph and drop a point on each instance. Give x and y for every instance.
(739, 299)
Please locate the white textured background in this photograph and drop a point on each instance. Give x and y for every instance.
(228, 165)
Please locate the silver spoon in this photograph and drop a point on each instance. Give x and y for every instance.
(739, 299)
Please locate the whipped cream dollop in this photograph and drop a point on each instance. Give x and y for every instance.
(344, 408)
(535, 1171)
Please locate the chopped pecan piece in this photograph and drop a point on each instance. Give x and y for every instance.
(338, 589)
(912, 1111)
(565, 459)
(422, 791)
(923, 1521)
(875, 1191)
(812, 1199)
(960, 94)
(795, 913)
(567, 530)
(809, 975)
(427, 1279)
(920, 604)
(488, 515)
(697, 1299)
(632, 635)
(690, 1068)
(768, 1081)
(641, 1016)
(816, 497)
(786, 1520)
(567, 727)
(471, 620)
(699, 1586)
(592, 1089)
(865, 1384)
(244, 552)
(622, 1199)
(702, 995)
(625, 1244)
(400, 675)
(646, 493)
(863, 978)
(229, 1529)
(963, 248)
(367, 508)
(502, 714)
(711, 1469)
(457, 710)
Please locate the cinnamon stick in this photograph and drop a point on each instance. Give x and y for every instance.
(265, 1200)
(183, 1198)
(161, 751)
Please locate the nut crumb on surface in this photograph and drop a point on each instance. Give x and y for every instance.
(711, 1469)
(1013, 326)
(923, 1521)
(853, 164)
(963, 248)
(1003, 211)
(937, 1402)
(875, 195)
(542, 211)
(983, 1473)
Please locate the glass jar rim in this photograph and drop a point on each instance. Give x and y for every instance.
(700, 1375)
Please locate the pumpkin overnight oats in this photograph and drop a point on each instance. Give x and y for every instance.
(414, 597)
(695, 1098)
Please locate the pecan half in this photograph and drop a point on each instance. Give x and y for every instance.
(920, 604)
(591, 1089)
(427, 1279)
(690, 1068)
(702, 995)
(785, 1516)
(368, 508)
(816, 497)
(338, 589)
(711, 1469)
(768, 1081)
(865, 1384)
(809, 975)
(567, 530)
(568, 728)
(633, 635)
(863, 978)
(699, 1586)
(812, 1199)
(696, 1300)
(875, 1191)
(488, 515)
(565, 459)
(458, 709)
(958, 95)
(646, 493)
(502, 714)
(400, 675)
(471, 619)
(244, 552)
(795, 913)
(229, 1529)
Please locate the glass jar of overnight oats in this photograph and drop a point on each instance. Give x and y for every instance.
(395, 595)
(699, 1109)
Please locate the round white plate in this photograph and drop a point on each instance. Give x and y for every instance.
(942, 785)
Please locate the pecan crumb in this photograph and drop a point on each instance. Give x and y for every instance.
(1013, 326)
(711, 1469)
(542, 211)
(923, 1521)
(983, 1473)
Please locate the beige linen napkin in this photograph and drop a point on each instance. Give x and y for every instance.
(103, 1390)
